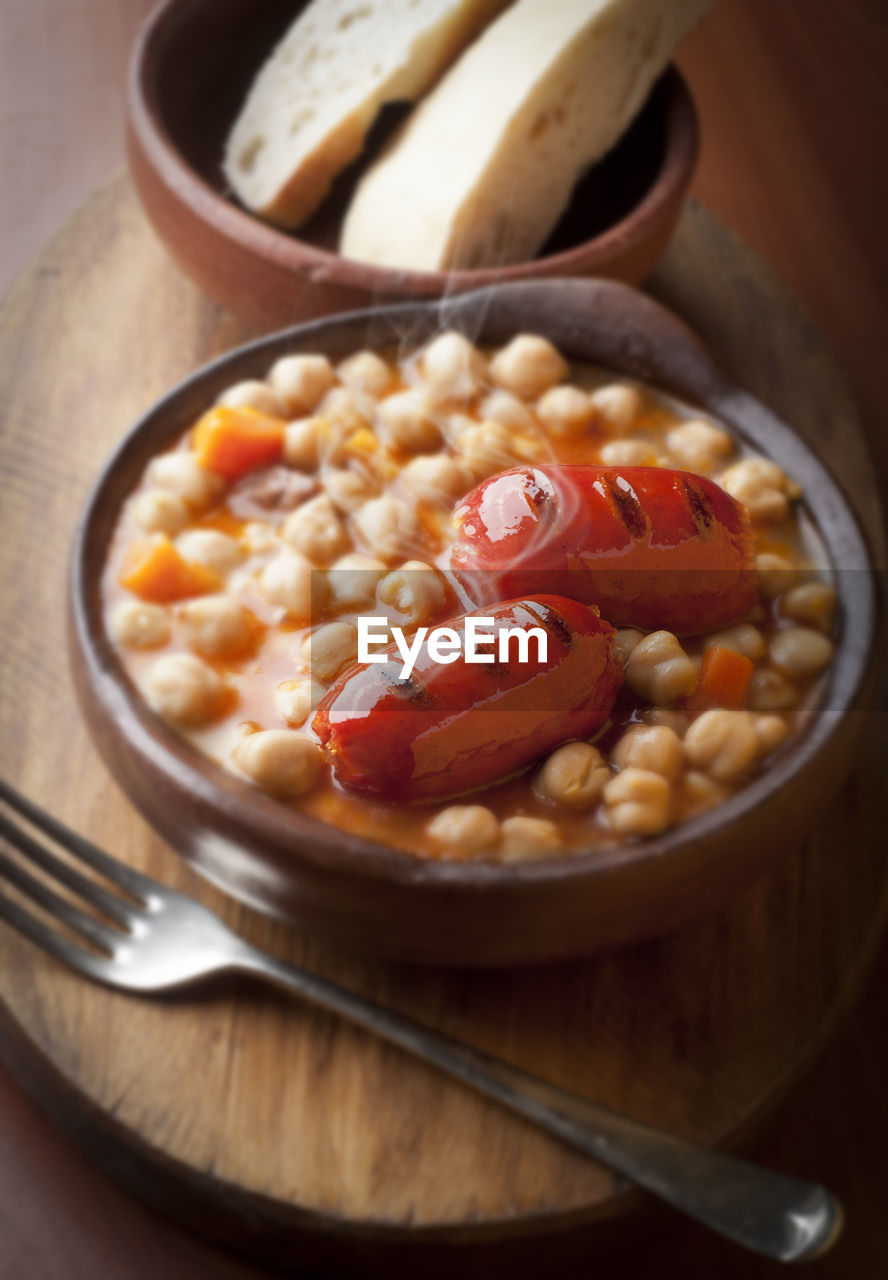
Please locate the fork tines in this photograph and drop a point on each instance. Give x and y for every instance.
(13, 871)
(130, 881)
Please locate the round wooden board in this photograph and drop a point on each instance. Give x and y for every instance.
(277, 1129)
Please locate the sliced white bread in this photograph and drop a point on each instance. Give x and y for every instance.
(316, 97)
(482, 169)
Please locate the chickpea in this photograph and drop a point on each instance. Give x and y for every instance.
(302, 442)
(436, 478)
(762, 486)
(723, 744)
(407, 422)
(744, 639)
(464, 829)
(292, 582)
(703, 792)
(626, 640)
(638, 803)
(565, 411)
(212, 549)
(349, 490)
(617, 407)
(296, 699)
(523, 838)
(659, 669)
(574, 776)
(528, 366)
(182, 474)
(301, 382)
(216, 625)
(362, 451)
(388, 528)
(326, 649)
(771, 730)
(347, 411)
(775, 573)
(810, 602)
(698, 445)
(279, 760)
(259, 538)
(253, 394)
(140, 625)
(453, 368)
(653, 747)
(315, 530)
(352, 579)
(415, 590)
(366, 372)
(158, 511)
(800, 652)
(629, 453)
(184, 690)
(673, 720)
(485, 448)
(501, 406)
(770, 690)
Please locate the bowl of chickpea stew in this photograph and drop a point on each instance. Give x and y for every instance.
(566, 454)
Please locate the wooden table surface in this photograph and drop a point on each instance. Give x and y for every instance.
(794, 101)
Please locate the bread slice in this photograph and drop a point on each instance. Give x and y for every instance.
(482, 169)
(316, 97)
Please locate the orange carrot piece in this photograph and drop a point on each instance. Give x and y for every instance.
(235, 441)
(154, 570)
(724, 677)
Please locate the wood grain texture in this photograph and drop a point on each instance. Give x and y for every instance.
(287, 1117)
(793, 99)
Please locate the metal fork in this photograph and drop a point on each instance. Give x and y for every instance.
(160, 939)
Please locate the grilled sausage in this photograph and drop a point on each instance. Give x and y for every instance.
(652, 547)
(449, 729)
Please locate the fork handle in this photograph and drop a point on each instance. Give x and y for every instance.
(770, 1213)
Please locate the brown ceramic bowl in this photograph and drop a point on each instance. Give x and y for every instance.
(316, 876)
(190, 72)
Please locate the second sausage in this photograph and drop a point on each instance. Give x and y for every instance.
(450, 729)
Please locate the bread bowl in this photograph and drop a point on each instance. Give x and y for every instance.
(474, 913)
(190, 70)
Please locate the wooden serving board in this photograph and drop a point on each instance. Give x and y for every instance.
(287, 1133)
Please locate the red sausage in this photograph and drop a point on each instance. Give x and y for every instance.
(652, 547)
(453, 728)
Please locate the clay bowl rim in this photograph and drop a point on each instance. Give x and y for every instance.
(191, 190)
(109, 698)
